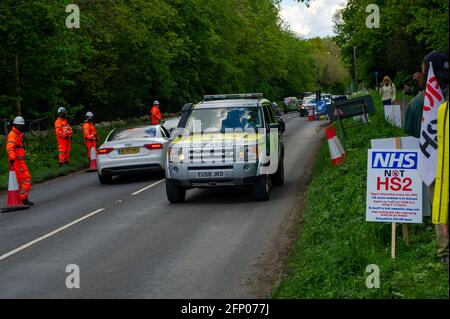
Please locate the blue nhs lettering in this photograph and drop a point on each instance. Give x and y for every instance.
(394, 160)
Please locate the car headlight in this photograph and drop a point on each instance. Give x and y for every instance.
(248, 153)
(176, 155)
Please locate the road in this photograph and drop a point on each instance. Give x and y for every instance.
(218, 244)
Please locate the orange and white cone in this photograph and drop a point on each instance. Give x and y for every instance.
(311, 114)
(92, 160)
(337, 152)
(14, 202)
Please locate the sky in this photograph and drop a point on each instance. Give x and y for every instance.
(317, 20)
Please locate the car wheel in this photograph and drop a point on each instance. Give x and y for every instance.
(278, 177)
(105, 179)
(175, 193)
(262, 188)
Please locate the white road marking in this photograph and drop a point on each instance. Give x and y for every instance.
(148, 187)
(31, 243)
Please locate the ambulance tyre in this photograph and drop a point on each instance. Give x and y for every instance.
(105, 179)
(261, 188)
(175, 193)
(278, 177)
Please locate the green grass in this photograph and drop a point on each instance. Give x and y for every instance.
(42, 154)
(335, 243)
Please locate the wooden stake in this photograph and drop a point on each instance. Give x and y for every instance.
(394, 227)
(405, 232)
(405, 228)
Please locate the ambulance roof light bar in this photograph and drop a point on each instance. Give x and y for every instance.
(232, 96)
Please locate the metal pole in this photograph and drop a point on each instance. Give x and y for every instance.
(354, 62)
(18, 102)
(376, 80)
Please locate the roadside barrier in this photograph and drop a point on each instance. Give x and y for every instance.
(14, 202)
(311, 114)
(92, 160)
(337, 152)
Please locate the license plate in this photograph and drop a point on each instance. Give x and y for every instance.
(129, 150)
(210, 174)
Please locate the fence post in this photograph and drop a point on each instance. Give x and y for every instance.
(5, 127)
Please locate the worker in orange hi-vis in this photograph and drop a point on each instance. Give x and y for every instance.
(155, 113)
(16, 158)
(89, 132)
(63, 134)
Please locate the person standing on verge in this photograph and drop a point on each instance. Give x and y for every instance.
(89, 133)
(155, 113)
(16, 158)
(441, 71)
(387, 91)
(63, 133)
(413, 115)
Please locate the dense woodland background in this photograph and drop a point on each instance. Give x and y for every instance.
(128, 53)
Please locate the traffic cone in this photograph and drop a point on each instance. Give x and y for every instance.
(92, 160)
(311, 114)
(337, 152)
(14, 202)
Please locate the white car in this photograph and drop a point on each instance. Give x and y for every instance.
(309, 102)
(132, 150)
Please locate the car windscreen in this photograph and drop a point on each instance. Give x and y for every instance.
(132, 133)
(221, 119)
(309, 101)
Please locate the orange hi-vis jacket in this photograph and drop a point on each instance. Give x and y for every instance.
(16, 152)
(89, 130)
(156, 115)
(14, 145)
(63, 132)
(62, 128)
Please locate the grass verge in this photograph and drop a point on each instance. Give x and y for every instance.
(336, 244)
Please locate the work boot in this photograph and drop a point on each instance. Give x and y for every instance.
(27, 202)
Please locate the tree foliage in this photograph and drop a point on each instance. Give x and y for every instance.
(408, 31)
(127, 53)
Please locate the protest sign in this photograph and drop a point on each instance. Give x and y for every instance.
(394, 188)
(406, 142)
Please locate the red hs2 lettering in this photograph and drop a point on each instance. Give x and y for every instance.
(394, 184)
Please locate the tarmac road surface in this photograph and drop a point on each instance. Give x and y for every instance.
(129, 242)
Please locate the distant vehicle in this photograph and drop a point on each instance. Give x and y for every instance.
(290, 104)
(276, 108)
(336, 98)
(327, 97)
(306, 94)
(308, 102)
(319, 108)
(131, 150)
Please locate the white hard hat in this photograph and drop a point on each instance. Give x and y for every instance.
(90, 114)
(62, 110)
(19, 120)
(156, 103)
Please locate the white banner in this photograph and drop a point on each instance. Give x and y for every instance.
(428, 135)
(393, 114)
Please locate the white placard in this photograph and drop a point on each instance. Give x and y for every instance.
(393, 114)
(394, 188)
(407, 142)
